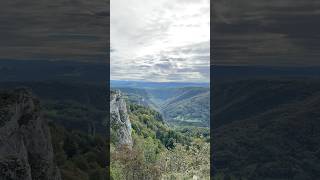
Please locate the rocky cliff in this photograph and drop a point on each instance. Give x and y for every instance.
(25, 144)
(119, 120)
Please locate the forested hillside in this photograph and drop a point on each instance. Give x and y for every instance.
(189, 106)
(266, 129)
(159, 151)
(236, 100)
(77, 117)
(73, 105)
(138, 96)
(180, 106)
(79, 155)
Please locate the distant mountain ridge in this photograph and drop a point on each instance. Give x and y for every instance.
(73, 105)
(33, 70)
(42, 70)
(228, 72)
(179, 103)
(241, 99)
(150, 85)
(190, 107)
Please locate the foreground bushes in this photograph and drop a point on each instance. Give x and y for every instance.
(160, 152)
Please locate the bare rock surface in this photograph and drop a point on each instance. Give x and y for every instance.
(119, 119)
(25, 144)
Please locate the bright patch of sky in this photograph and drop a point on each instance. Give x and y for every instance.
(163, 40)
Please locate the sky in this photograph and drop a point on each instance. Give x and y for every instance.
(266, 32)
(160, 41)
(167, 40)
(54, 30)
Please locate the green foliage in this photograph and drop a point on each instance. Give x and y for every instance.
(160, 151)
(267, 129)
(116, 171)
(195, 132)
(149, 123)
(180, 106)
(74, 115)
(188, 106)
(79, 156)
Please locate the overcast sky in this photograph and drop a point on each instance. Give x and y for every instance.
(163, 40)
(54, 30)
(266, 32)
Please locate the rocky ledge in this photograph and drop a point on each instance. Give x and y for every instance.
(119, 120)
(25, 144)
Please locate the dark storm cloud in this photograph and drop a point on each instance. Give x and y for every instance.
(262, 32)
(49, 30)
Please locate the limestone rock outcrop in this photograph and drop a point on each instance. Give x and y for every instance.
(26, 151)
(119, 120)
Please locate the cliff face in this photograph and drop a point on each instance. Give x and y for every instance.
(119, 120)
(25, 144)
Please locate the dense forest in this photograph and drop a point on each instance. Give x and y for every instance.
(77, 117)
(79, 139)
(78, 127)
(266, 129)
(159, 151)
(179, 106)
(79, 156)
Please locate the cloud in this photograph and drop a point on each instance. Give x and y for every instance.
(266, 32)
(48, 30)
(155, 40)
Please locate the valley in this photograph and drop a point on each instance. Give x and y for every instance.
(70, 101)
(153, 149)
(183, 105)
(169, 128)
(266, 128)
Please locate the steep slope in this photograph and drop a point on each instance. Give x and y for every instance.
(178, 106)
(79, 155)
(25, 142)
(158, 151)
(84, 93)
(190, 106)
(119, 120)
(138, 96)
(236, 100)
(72, 105)
(272, 133)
